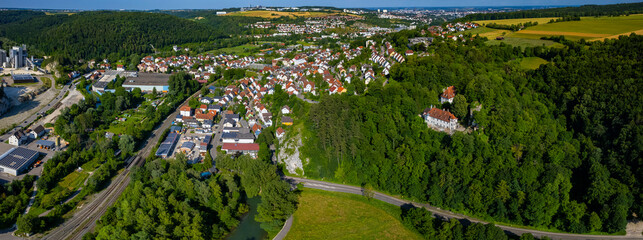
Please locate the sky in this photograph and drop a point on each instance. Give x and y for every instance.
(218, 4)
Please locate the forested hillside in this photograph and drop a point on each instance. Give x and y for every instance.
(168, 199)
(558, 147)
(226, 25)
(582, 11)
(96, 34)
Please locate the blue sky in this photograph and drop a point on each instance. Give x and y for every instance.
(216, 4)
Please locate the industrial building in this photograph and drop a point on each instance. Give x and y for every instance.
(23, 78)
(18, 56)
(17, 160)
(3, 58)
(147, 82)
(167, 146)
(109, 76)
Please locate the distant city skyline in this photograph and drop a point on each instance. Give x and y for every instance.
(217, 4)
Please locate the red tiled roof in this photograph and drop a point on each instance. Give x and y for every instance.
(441, 114)
(186, 108)
(448, 93)
(204, 116)
(240, 146)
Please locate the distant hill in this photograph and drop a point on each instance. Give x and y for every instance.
(95, 34)
(225, 24)
(582, 11)
(18, 15)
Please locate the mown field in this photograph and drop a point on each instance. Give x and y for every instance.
(242, 50)
(589, 28)
(277, 14)
(532, 62)
(515, 21)
(330, 215)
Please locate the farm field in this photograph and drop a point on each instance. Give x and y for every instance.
(523, 42)
(515, 21)
(487, 32)
(589, 28)
(241, 50)
(330, 215)
(277, 14)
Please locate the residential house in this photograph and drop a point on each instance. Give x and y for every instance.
(286, 121)
(186, 110)
(285, 110)
(37, 132)
(440, 118)
(447, 95)
(279, 132)
(18, 138)
(243, 148)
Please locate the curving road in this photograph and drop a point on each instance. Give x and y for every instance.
(437, 212)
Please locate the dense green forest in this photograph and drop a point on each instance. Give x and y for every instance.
(558, 147)
(87, 35)
(14, 197)
(18, 15)
(168, 199)
(582, 11)
(420, 220)
(259, 177)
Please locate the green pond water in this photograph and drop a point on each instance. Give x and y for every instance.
(249, 229)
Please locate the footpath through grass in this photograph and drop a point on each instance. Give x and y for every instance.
(332, 215)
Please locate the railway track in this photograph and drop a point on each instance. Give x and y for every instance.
(85, 219)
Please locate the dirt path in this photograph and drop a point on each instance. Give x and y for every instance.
(637, 32)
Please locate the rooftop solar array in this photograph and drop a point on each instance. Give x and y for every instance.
(16, 158)
(207, 139)
(22, 77)
(166, 147)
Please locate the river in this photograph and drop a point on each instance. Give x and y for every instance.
(249, 229)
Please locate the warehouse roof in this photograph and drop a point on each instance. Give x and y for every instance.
(150, 79)
(16, 158)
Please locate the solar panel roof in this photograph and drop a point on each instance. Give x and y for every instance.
(16, 158)
(22, 77)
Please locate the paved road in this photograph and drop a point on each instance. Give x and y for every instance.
(84, 220)
(447, 214)
(33, 118)
(217, 137)
(284, 230)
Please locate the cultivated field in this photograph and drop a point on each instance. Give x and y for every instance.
(515, 21)
(330, 215)
(277, 14)
(589, 28)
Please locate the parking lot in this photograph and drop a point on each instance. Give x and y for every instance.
(195, 136)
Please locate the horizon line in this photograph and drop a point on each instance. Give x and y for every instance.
(169, 9)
